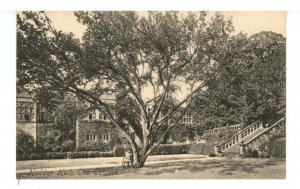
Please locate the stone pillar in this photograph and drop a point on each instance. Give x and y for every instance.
(239, 135)
(33, 122)
(242, 149)
(216, 148)
(261, 124)
(77, 133)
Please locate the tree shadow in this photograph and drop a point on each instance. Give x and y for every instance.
(220, 167)
(227, 166)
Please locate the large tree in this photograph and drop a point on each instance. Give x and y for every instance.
(251, 87)
(158, 61)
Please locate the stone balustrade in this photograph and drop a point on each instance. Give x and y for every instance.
(273, 128)
(237, 138)
(219, 129)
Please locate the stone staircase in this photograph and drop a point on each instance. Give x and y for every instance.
(246, 137)
(234, 150)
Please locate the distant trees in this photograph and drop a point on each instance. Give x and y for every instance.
(250, 87)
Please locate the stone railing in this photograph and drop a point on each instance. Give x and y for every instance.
(237, 138)
(219, 129)
(276, 126)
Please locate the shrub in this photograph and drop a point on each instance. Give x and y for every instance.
(166, 149)
(119, 151)
(273, 147)
(212, 155)
(278, 148)
(96, 146)
(255, 154)
(201, 148)
(183, 132)
(25, 145)
(264, 154)
(55, 155)
(249, 153)
(211, 138)
(218, 137)
(37, 156)
(69, 155)
(67, 145)
(89, 154)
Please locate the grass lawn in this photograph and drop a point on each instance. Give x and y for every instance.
(204, 168)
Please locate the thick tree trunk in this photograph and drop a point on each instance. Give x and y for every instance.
(140, 154)
(143, 160)
(139, 158)
(136, 162)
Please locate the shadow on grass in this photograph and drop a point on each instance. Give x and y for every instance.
(227, 166)
(222, 167)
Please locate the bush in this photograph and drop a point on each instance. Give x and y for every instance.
(273, 147)
(278, 148)
(211, 138)
(264, 154)
(183, 132)
(55, 155)
(37, 156)
(96, 146)
(167, 149)
(212, 155)
(249, 153)
(89, 154)
(255, 154)
(218, 137)
(70, 155)
(119, 151)
(67, 145)
(201, 148)
(25, 145)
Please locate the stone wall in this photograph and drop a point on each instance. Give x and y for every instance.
(96, 135)
(36, 130)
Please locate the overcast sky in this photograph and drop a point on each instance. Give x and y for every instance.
(248, 22)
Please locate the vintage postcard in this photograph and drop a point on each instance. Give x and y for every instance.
(151, 95)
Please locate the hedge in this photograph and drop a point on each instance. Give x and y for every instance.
(163, 149)
(278, 148)
(166, 149)
(201, 148)
(68, 155)
(119, 151)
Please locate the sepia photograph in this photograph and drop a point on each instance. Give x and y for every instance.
(150, 95)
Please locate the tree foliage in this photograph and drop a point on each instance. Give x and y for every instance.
(159, 65)
(251, 86)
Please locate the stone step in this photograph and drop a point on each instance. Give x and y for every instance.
(232, 152)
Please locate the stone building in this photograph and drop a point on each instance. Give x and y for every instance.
(95, 131)
(30, 115)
